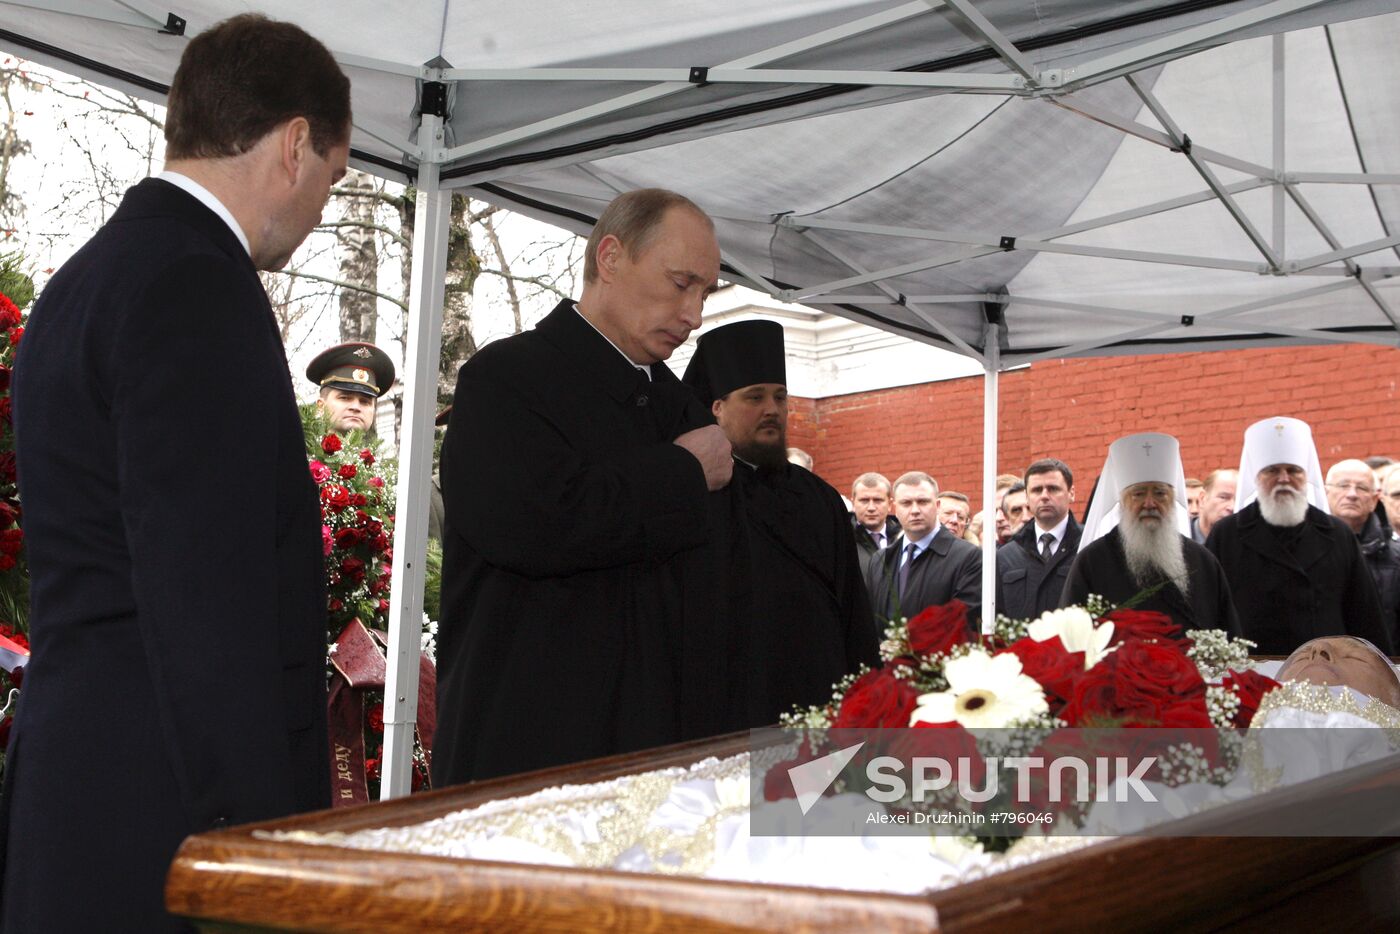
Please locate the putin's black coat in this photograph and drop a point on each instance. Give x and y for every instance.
(178, 608)
(578, 600)
(1319, 586)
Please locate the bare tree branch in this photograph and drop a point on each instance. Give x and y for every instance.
(298, 274)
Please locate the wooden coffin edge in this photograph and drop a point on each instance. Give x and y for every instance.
(234, 876)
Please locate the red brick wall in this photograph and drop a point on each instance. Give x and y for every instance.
(1073, 409)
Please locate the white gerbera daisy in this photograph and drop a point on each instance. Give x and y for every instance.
(983, 691)
(1077, 633)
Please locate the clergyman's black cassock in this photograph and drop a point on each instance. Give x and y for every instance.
(579, 597)
(1101, 568)
(809, 619)
(178, 605)
(1292, 585)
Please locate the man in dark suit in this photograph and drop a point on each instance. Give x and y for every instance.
(589, 615)
(178, 608)
(873, 526)
(926, 565)
(1033, 565)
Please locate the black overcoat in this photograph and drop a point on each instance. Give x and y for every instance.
(1027, 586)
(809, 621)
(574, 579)
(1102, 568)
(950, 568)
(178, 605)
(1322, 589)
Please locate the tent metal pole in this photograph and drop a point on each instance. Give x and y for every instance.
(432, 212)
(1344, 178)
(1280, 236)
(926, 316)
(1361, 249)
(1005, 48)
(1149, 134)
(623, 102)
(1351, 266)
(990, 401)
(1179, 43)
(1183, 142)
(135, 14)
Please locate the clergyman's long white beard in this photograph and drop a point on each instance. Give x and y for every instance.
(1154, 551)
(1283, 506)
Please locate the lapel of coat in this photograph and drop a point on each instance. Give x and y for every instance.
(1319, 543)
(1259, 538)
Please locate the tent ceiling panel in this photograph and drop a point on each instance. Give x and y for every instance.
(971, 168)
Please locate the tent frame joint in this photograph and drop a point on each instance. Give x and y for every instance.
(174, 25)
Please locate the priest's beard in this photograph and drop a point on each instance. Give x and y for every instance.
(1153, 550)
(1283, 506)
(764, 453)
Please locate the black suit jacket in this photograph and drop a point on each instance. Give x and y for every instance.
(948, 569)
(1027, 586)
(178, 605)
(1321, 588)
(576, 598)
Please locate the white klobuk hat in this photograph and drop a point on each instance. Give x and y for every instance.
(1142, 458)
(1279, 440)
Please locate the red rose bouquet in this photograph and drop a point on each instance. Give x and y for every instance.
(16, 292)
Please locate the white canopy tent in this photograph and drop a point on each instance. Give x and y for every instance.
(1014, 181)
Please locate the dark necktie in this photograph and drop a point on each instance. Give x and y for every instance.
(1046, 541)
(909, 552)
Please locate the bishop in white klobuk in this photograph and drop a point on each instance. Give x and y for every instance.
(1296, 572)
(1140, 549)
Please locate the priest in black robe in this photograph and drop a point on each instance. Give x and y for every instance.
(1296, 571)
(807, 622)
(1138, 552)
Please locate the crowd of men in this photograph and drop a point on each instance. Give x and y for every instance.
(1285, 556)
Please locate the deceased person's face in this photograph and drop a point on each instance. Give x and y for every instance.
(1344, 660)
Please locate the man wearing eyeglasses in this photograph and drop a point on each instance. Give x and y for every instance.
(1352, 494)
(1295, 571)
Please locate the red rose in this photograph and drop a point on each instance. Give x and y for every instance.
(383, 606)
(335, 606)
(1051, 666)
(11, 541)
(6, 562)
(1250, 687)
(7, 516)
(353, 568)
(372, 526)
(375, 716)
(347, 471)
(877, 699)
(320, 472)
(419, 778)
(21, 640)
(1142, 624)
(4, 378)
(947, 741)
(1140, 684)
(327, 541)
(9, 312)
(381, 542)
(938, 628)
(776, 782)
(15, 335)
(367, 456)
(7, 466)
(330, 444)
(335, 496)
(376, 483)
(348, 538)
(359, 499)
(17, 676)
(372, 769)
